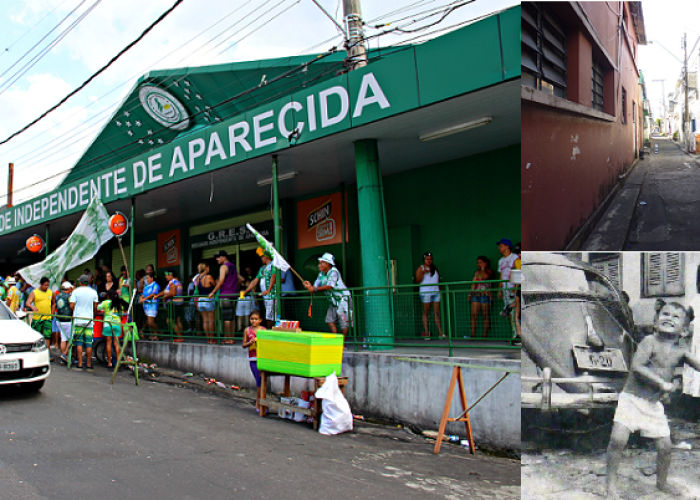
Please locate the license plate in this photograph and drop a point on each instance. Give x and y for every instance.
(608, 360)
(9, 366)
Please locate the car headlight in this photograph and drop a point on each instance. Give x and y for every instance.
(39, 346)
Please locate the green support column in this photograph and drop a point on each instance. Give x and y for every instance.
(377, 317)
(278, 231)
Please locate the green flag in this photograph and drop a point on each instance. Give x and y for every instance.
(82, 245)
(277, 260)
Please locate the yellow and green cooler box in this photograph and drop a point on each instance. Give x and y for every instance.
(305, 354)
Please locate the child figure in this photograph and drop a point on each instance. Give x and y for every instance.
(650, 380)
(249, 341)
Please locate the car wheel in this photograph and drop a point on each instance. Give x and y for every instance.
(99, 350)
(32, 386)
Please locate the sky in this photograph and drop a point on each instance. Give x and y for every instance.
(662, 59)
(31, 83)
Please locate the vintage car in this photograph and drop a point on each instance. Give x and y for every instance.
(24, 357)
(578, 334)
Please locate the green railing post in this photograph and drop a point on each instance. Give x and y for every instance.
(449, 319)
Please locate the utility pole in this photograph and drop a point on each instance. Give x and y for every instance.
(10, 182)
(686, 113)
(357, 53)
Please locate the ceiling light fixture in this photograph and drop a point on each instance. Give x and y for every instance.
(457, 128)
(155, 213)
(281, 177)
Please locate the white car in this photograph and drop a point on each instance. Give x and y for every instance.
(24, 357)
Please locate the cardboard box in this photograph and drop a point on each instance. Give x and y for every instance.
(306, 354)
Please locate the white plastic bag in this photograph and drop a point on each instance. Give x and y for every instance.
(336, 417)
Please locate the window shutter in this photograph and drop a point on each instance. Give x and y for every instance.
(654, 274)
(674, 274)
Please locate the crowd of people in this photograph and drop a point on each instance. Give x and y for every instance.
(481, 295)
(191, 305)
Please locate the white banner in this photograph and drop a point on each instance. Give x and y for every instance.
(82, 245)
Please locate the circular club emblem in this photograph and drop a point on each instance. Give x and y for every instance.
(35, 244)
(164, 107)
(118, 224)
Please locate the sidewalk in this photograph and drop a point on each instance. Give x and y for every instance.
(615, 230)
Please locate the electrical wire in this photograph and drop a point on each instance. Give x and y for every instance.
(101, 70)
(238, 96)
(34, 60)
(43, 38)
(7, 49)
(190, 54)
(43, 147)
(279, 14)
(135, 75)
(188, 72)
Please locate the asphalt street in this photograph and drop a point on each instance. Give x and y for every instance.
(667, 215)
(657, 207)
(84, 438)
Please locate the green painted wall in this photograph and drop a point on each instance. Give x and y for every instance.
(456, 210)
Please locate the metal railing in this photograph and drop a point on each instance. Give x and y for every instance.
(382, 317)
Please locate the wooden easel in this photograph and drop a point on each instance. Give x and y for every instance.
(464, 417)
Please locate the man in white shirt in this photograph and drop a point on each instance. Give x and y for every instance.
(83, 303)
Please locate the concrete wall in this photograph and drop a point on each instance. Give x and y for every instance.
(380, 386)
(571, 155)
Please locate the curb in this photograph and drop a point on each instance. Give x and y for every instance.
(585, 231)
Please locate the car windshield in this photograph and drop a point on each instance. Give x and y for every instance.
(561, 280)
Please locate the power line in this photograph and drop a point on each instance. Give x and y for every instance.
(7, 49)
(34, 60)
(238, 96)
(86, 82)
(43, 38)
(138, 73)
(182, 77)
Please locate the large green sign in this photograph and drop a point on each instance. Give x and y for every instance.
(300, 117)
(384, 88)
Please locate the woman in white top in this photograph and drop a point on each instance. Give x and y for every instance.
(427, 274)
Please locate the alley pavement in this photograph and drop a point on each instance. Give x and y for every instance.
(657, 207)
(84, 438)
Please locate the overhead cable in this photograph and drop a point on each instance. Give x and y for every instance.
(101, 70)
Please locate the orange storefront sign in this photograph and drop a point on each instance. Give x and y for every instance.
(169, 249)
(318, 221)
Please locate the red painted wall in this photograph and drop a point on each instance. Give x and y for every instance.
(571, 162)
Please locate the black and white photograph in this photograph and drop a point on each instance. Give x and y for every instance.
(610, 381)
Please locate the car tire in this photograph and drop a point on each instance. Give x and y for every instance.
(32, 386)
(99, 350)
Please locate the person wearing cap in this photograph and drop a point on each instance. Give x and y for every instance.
(173, 298)
(505, 264)
(266, 277)
(63, 314)
(428, 274)
(12, 299)
(40, 301)
(329, 281)
(227, 287)
(83, 303)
